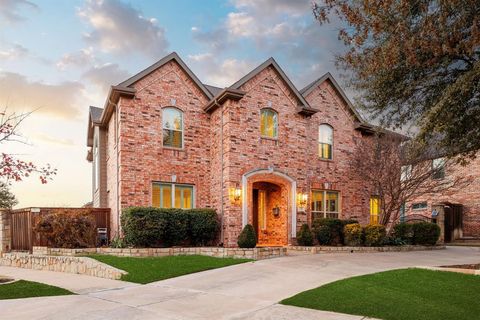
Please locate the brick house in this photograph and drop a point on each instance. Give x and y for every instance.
(457, 210)
(260, 151)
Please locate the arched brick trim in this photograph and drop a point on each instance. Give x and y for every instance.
(293, 195)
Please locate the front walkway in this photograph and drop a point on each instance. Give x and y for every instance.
(246, 291)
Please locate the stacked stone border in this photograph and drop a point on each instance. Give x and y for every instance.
(346, 249)
(68, 264)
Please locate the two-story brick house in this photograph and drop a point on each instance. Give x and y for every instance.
(259, 151)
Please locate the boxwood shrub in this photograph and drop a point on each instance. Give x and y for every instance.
(425, 233)
(158, 227)
(305, 236)
(353, 234)
(329, 231)
(247, 238)
(375, 235)
(404, 232)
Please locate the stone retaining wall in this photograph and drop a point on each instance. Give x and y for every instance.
(5, 231)
(329, 249)
(256, 253)
(77, 265)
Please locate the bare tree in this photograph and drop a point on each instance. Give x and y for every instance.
(12, 168)
(398, 171)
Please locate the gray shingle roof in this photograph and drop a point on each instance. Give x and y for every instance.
(96, 113)
(213, 90)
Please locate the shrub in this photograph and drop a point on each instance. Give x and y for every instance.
(247, 238)
(425, 233)
(158, 227)
(328, 231)
(305, 236)
(204, 226)
(353, 234)
(375, 235)
(67, 229)
(404, 232)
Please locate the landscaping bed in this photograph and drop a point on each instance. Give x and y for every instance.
(28, 289)
(150, 269)
(398, 295)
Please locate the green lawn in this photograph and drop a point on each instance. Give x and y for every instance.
(27, 289)
(145, 270)
(412, 294)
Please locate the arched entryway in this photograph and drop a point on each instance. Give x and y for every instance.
(269, 205)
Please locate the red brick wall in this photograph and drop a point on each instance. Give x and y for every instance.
(468, 196)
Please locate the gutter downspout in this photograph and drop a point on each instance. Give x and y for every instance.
(118, 169)
(222, 233)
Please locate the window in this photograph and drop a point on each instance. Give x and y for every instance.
(96, 157)
(402, 212)
(262, 209)
(325, 141)
(170, 195)
(374, 209)
(406, 172)
(419, 206)
(268, 123)
(172, 124)
(438, 168)
(325, 204)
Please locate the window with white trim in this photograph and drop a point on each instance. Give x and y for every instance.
(419, 206)
(172, 195)
(325, 141)
(172, 125)
(325, 204)
(406, 172)
(438, 168)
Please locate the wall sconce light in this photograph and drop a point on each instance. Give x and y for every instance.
(235, 194)
(302, 199)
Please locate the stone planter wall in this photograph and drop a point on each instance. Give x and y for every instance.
(256, 253)
(77, 265)
(329, 249)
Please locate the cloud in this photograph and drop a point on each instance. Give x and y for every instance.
(16, 51)
(120, 29)
(54, 140)
(9, 9)
(20, 94)
(217, 72)
(80, 58)
(106, 75)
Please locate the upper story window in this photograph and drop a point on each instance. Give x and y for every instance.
(268, 123)
(325, 141)
(172, 124)
(406, 172)
(375, 209)
(438, 168)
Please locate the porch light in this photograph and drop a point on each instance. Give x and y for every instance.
(235, 194)
(302, 200)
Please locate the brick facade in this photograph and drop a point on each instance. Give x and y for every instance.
(223, 148)
(468, 196)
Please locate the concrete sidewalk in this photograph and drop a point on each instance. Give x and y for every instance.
(246, 291)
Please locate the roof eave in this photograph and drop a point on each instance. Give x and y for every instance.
(306, 111)
(112, 100)
(224, 95)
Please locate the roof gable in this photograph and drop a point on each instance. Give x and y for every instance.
(271, 62)
(172, 56)
(328, 77)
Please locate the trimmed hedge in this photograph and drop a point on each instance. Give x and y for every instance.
(421, 233)
(375, 235)
(247, 238)
(329, 231)
(305, 236)
(425, 233)
(158, 227)
(353, 234)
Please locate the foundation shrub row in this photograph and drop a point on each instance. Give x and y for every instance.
(158, 227)
(335, 232)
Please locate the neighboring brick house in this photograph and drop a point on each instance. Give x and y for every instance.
(457, 210)
(259, 151)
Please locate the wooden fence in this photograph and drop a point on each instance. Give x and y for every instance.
(23, 221)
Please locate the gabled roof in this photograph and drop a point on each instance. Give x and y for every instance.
(172, 56)
(271, 62)
(327, 76)
(213, 90)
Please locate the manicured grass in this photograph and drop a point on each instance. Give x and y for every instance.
(412, 294)
(145, 270)
(28, 289)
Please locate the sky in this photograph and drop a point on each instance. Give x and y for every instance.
(57, 58)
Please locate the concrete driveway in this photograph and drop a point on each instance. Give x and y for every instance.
(247, 291)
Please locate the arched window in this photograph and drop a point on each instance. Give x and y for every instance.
(172, 124)
(325, 141)
(268, 123)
